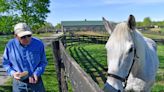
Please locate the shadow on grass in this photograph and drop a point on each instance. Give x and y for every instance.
(94, 64)
(88, 63)
(81, 61)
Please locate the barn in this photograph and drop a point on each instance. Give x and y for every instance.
(85, 25)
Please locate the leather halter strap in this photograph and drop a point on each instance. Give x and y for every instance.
(126, 78)
(117, 77)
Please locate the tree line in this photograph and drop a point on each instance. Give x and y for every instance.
(147, 22)
(32, 12)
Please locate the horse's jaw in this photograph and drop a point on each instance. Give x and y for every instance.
(114, 84)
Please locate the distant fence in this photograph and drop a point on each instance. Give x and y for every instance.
(71, 39)
(67, 67)
(159, 40)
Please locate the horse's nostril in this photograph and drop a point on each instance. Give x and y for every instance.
(119, 90)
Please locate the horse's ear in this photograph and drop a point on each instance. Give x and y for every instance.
(107, 25)
(131, 22)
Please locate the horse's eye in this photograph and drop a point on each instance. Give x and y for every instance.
(130, 50)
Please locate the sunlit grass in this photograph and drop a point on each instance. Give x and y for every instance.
(154, 36)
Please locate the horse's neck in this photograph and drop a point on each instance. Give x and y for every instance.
(140, 45)
(147, 63)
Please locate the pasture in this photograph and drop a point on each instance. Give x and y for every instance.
(92, 58)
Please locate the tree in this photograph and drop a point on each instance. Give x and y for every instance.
(4, 6)
(58, 26)
(6, 23)
(139, 24)
(147, 21)
(33, 12)
(47, 27)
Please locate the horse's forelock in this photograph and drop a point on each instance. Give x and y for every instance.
(121, 32)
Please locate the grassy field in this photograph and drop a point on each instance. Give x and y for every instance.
(92, 58)
(154, 36)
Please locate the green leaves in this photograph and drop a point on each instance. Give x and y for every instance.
(33, 12)
(4, 6)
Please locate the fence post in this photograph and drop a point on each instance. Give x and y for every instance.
(59, 67)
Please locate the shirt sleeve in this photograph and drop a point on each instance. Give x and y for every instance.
(6, 62)
(43, 62)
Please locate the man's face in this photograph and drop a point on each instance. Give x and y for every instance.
(24, 40)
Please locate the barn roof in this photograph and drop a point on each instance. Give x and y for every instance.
(81, 23)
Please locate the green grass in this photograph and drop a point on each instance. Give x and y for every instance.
(3, 41)
(159, 85)
(49, 76)
(162, 29)
(154, 36)
(43, 34)
(92, 58)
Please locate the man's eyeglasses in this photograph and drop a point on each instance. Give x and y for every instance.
(26, 36)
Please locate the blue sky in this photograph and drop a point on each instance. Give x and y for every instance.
(113, 10)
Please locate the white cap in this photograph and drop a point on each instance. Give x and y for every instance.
(22, 29)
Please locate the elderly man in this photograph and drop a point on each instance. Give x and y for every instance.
(24, 59)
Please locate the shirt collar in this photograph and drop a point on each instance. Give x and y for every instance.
(19, 44)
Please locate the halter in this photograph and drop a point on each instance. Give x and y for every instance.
(124, 80)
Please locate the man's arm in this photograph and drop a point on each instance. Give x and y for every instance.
(43, 62)
(6, 62)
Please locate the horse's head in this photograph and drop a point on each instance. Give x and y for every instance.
(120, 52)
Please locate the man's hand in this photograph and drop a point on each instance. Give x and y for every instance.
(16, 75)
(19, 75)
(33, 79)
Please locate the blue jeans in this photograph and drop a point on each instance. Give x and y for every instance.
(25, 86)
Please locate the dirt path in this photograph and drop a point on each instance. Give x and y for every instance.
(3, 76)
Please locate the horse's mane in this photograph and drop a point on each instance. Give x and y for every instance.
(121, 33)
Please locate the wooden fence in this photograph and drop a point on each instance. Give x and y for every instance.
(159, 40)
(73, 39)
(67, 67)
